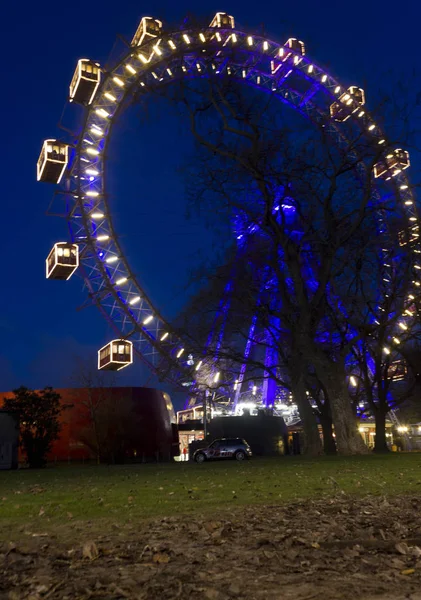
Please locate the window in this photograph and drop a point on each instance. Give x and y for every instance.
(41, 157)
(121, 349)
(105, 352)
(59, 251)
(67, 252)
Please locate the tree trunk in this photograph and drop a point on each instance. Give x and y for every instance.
(329, 444)
(380, 445)
(348, 438)
(312, 444)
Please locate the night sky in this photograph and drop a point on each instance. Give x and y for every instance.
(41, 332)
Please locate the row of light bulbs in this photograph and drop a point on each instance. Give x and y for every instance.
(157, 50)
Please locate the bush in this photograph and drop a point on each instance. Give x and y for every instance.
(39, 421)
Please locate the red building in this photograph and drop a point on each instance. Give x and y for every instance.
(116, 423)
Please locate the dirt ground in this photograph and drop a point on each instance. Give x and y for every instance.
(336, 549)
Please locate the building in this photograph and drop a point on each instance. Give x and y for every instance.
(114, 424)
(266, 433)
(191, 432)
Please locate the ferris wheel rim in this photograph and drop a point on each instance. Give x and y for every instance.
(90, 243)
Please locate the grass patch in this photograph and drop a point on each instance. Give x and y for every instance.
(124, 493)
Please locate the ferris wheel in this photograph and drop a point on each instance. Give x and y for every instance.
(157, 58)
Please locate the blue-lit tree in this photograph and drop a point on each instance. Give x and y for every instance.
(312, 212)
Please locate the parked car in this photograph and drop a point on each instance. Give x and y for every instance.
(224, 448)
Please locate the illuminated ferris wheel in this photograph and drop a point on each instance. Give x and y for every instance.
(154, 59)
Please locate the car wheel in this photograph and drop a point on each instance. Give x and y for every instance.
(240, 455)
(200, 458)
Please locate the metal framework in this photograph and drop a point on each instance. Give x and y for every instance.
(156, 60)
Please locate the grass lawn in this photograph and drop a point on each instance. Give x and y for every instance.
(59, 494)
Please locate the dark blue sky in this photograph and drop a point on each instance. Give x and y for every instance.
(40, 330)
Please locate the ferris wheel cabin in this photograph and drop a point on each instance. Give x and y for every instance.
(223, 20)
(85, 82)
(148, 29)
(116, 355)
(397, 370)
(52, 161)
(392, 164)
(62, 261)
(349, 102)
(410, 235)
(296, 46)
(292, 50)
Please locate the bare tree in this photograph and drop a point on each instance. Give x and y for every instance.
(384, 374)
(96, 401)
(256, 168)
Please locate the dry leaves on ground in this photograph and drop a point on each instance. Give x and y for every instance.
(334, 549)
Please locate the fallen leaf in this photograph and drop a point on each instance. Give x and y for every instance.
(211, 594)
(37, 489)
(402, 548)
(90, 550)
(210, 526)
(161, 558)
(408, 572)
